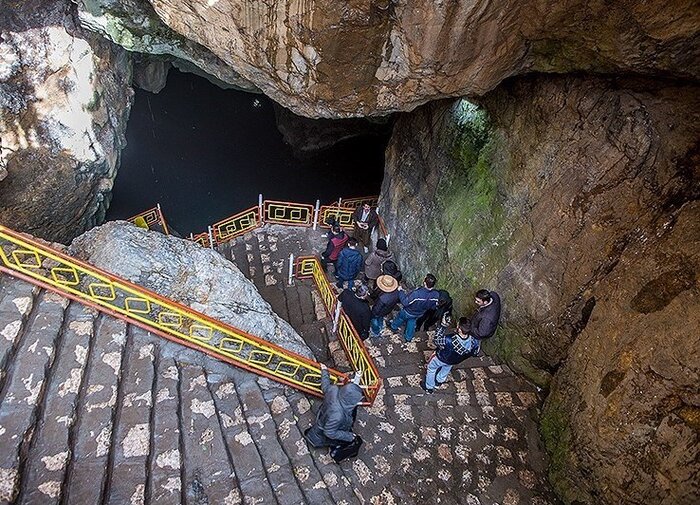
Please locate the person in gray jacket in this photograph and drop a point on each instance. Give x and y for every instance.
(336, 416)
(375, 260)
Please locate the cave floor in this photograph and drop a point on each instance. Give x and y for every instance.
(93, 410)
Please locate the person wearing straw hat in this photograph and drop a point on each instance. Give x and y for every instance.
(388, 299)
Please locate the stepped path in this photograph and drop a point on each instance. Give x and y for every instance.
(94, 410)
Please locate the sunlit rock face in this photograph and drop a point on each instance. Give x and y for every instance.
(576, 199)
(65, 98)
(329, 58)
(187, 273)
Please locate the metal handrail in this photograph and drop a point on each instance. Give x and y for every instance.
(42, 265)
(359, 357)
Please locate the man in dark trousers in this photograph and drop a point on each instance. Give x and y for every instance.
(356, 306)
(434, 316)
(485, 320)
(415, 304)
(336, 416)
(364, 219)
(349, 264)
(337, 239)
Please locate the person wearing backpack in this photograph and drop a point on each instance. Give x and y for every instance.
(349, 264)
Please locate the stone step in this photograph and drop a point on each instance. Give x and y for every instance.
(208, 473)
(97, 411)
(45, 469)
(263, 431)
(24, 386)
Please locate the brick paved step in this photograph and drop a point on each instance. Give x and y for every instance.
(23, 388)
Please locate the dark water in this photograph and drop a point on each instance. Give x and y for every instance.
(205, 153)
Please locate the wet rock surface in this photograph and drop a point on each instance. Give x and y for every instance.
(562, 198)
(342, 59)
(94, 410)
(65, 99)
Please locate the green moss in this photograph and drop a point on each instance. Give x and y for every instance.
(95, 102)
(512, 344)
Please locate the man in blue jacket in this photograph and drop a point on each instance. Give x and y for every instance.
(349, 264)
(415, 304)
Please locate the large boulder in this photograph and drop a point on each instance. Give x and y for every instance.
(187, 273)
(576, 199)
(64, 100)
(339, 58)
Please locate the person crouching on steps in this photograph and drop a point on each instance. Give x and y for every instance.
(336, 416)
(451, 350)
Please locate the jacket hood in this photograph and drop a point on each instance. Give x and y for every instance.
(383, 254)
(350, 395)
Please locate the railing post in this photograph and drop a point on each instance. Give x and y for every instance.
(336, 316)
(340, 201)
(387, 238)
(260, 208)
(316, 211)
(211, 238)
(291, 269)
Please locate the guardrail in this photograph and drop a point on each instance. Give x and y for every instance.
(310, 267)
(150, 218)
(42, 265)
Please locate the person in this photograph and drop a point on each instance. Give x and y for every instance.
(452, 349)
(433, 316)
(337, 239)
(374, 261)
(389, 267)
(337, 414)
(364, 219)
(415, 304)
(388, 299)
(356, 307)
(484, 322)
(348, 264)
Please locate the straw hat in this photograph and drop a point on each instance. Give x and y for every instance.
(387, 283)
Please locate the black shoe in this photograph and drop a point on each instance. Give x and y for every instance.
(425, 388)
(438, 383)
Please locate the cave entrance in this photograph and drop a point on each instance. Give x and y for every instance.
(205, 153)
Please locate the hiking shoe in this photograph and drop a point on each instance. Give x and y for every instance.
(425, 388)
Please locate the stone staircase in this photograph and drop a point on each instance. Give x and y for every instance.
(93, 410)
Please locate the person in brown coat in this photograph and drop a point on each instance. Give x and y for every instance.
(375, 260)
(365, 219)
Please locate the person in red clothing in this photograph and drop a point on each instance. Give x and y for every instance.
(337, 239)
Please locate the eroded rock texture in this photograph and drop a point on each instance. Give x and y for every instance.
(577, 201)
(65, 98)
(329, 58)
(185, 272)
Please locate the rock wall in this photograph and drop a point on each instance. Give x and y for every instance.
(576, 198)
(65, 99)
(185, 272)
(338, 58)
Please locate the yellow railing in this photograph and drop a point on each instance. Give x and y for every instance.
(342, 215)
(150, 218)
(236, 225)
(353, 203)
(295, 214)
(42, 265)
(310, 267)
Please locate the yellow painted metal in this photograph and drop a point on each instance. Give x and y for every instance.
(236, 225)
(340, 214)
(164, 317)
(150, 218)
(296, 214)
(354, 203)
(140, 222)
(309, 266)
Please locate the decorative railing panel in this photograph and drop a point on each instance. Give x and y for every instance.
(236, 225)
(342, 215)
(151, 218)
(296, 214)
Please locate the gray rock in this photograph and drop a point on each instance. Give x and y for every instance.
(185, 272)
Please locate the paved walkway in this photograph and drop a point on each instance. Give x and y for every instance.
(96, 411)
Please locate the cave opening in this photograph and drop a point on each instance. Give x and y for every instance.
(205, 153)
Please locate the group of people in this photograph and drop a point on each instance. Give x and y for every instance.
(368, 305)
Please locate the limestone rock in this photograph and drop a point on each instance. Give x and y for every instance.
(307, 136)
(134, 25)
(64, 101)
(565, 198)
(150, 73)
(338, 58)
(185, 272)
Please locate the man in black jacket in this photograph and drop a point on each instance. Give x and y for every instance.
(485, 320)
(356, 307)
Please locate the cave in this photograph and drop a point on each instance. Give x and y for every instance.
(549, 151)
(205, 153)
